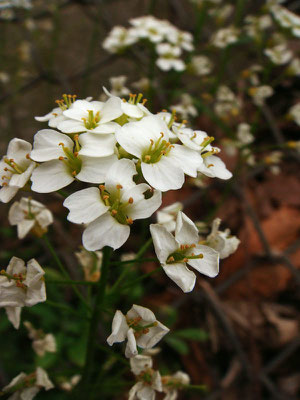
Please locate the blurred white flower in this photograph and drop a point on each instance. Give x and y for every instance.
(68, 385)
(260, 93)
(279, 54)
(168, 57)
(244, 134)
(21, 286)
(186, 107)
(175, 252)
(286, 19)
(28, 386)
(91, 264)
(294, 67)
(225, 36)
(222, 241)
(42, 342)
(139, 327)
(118, 87)
(148, 380)
(29, 216)
(119, 38)
(173, 383)
(201, 65)
(294, 113)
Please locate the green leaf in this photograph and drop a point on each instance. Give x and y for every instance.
(192, 334)
(178, 345)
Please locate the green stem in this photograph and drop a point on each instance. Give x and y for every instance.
(93, 330)
(134, 260)
(63, 270)
(125, 271)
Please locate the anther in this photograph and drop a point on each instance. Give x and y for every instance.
(61, 158)
(129, 221)
(101, 187)
(61, 144)
(105, 197)
(76, 153)
(147, 157)
(27, 156)
(74, 173)
(119, 186)
(171, 259)
(130, 200)
(114, 212)
(185, 259)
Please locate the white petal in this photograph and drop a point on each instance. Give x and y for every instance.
(85, 206)
(44, 218)
(146, 207)
(163, 241)
(186, 231)
(51, 176)
(164, 175)
(7, 193)
(142, 312)
(146, 393)
(103, 129)
(105, 231)
(132, 110)
(96, 145)
(140, 363)
(94, 169)
(20, 180)
(42, 379)
(189, 160)
(15, 214)
(46, 145)
(181, 275)
(24, 227)
(119, 329)
(155, 334)
(18, 150)
(111, 110)
(121, 173)
(14, 315)
(214, 167)
(209, 264)
(131, 350)
(71, 126)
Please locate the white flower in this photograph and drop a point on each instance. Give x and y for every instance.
(42, 342)
(167, 216)
(201, 65)
(294, 67)
(227, 102)
(111, 209)
(175, 252)
(185, 107)
(225, 36)
(287, 19)
(91, 116)
(68, 385)
(168, 57)
(29, 215)
(91, 264)
(260, 93)
(244, 134)
(15, 169)
(151, 28)
(214, 167)
(87, 159)
(149, 380)
(195, 140)
(118, 87)
(279, 54)
(27, 386)
(139, 327)
(173, 383)
(163, 165)
(21, 286)
(180, 38)
(255, 25)
(222, 241)
(294, 113)
(119, 38)
(56, 116)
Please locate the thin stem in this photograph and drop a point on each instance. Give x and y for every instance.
(63, 270)
(142, 250)
(93, 330)
(134, 260)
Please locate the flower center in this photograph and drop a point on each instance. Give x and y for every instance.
(183, 254)
(156, 150)
(92, 121)
(117, 209)
(66, 101)
(72, 160)
(12, 168)
(138, 328)
(18, 278)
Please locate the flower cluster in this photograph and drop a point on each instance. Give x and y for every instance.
(168, 41)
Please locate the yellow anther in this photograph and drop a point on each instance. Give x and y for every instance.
(171, 259)
(61, 158)
(147, 158)
(74, 173)
(28, 156)
(76, 153)
(130, 200)
(129, 221)
(185, 259)
(119, 186)
(114, 212)
(105, 197)
(210, 165)
(61, 144)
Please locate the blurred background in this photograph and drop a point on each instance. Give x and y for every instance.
(248, 341)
